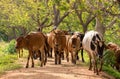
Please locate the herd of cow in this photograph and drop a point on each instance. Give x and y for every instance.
(62, 43)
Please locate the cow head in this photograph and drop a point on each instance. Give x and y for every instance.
(100, 48)
(74, 40)
(112, 46)
(58, 38)
(97, 45)
(20, 42)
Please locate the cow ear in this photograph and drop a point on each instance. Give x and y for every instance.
(54, 32)
(96, 42)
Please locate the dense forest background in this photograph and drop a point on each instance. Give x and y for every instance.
(23, 16)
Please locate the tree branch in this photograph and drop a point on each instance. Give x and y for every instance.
(111, 23)
(79, 14)
(61, 19)
(89, 19)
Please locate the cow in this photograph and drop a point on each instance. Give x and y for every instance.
(33, 42)
(59, 45)
(116, 49)
(80, 35)
(94, 45)
(74, 47)
(50, 38)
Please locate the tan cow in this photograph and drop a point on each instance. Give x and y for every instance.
(74, 47)
(81, 36)
(32, 42)
(59, 45)
(116, 49)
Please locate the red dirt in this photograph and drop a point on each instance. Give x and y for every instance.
(51, 71)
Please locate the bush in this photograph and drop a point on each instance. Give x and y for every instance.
(109, 58)
(11, 47)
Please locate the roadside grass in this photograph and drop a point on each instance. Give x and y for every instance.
(111, 71)
(106, 68)
(7, 61)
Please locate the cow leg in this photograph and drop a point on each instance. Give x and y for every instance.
(50, 52)
(90, 66)
(67, 55)
(32, 60)
(95, 62)
(62, 55)
(45, 57)
(77, 57)
(101, 63)
(42, 57)
(28, 60)
(55, 57)
(59, 57)
(82, 56)
(19, 53)
(72, 59)
(22, 52)
(96, 68)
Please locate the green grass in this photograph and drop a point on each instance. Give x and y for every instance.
(109, 70)
(7, 61)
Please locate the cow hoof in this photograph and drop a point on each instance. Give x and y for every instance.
(90, 69)
(32, 66)
(26, 66)
(83, 61)
(59, 63)
(41, 65)
(55, 62)
(97, 73)
(67, 60)
(44, 63)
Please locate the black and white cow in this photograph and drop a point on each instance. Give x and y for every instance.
(94, 45)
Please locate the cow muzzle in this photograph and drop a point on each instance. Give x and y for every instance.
(16, 47)
(56, 45)
(74, 46)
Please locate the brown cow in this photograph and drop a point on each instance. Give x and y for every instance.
(74, 47)
(114, 47)
(33, 42)
(59, 46)
(81, 36)
(57, 41)
(50, 43)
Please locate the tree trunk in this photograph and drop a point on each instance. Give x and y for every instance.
(40, 28)
(14, 32)
(99, 26)
(85, 28)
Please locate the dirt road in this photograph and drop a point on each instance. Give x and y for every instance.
(52, 71)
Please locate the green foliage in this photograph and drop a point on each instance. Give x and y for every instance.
(111, 71)
(109, 61)
(3, 36)
(8, 62)
(11, 47)
(109, 58)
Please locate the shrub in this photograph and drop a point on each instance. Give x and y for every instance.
(11, 47)
(109, 58)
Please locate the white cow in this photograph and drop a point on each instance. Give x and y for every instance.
(93, 44)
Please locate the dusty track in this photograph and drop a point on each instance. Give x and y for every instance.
(52, 71)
